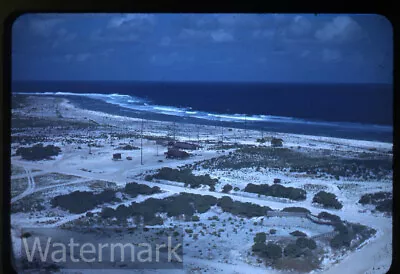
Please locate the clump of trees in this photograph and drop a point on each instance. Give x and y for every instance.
(266, 251)
(82, 201)
(303, 242)
(134, 189)
(227, 188)
(383, 201)
(298, 233)
(38, 152)
(347, 232)
(277, 190)
(248, 210)
(296, 209)
(128, 147)
(276, 142)
(327, 216)
(328, 200)
(185, 175)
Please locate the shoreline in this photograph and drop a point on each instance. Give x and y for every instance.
(305, 129)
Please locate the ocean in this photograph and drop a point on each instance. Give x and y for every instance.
(356, 111)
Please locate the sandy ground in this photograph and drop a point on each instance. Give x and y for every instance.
(373, 257)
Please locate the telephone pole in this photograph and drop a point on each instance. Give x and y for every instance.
(141, 143)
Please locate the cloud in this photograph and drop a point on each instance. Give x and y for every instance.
(44, 27)
(101, 35)
(221, 36)
(63, 37)
(132, 21)
(169, 59)
(340, 29)
(125, 28)
(80, 57)
(332, 56)
(165, 41)
(300, 26)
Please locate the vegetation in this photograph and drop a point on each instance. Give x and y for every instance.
(383, 201)
(328, 200)
(315, 165)
(347, 232)
(292, 250)
(128, 147)
(135, 189)
(328, 216)
(38, 152)
(296, 209)
(185, 176)
(227, 188)
(260, 237)
(298, 233)
(277, 190)
(182, 205)
(82, 201)
(276, 142)
(303, 242)
(248, 210)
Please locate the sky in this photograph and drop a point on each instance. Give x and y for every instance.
(306, 48)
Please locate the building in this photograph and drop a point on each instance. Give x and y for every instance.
(276, 142)
(184, 145)
(117, 156)
(176, 153)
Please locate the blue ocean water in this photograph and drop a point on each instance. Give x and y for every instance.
(358, 111)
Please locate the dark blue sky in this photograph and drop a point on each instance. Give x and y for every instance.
(203, 47)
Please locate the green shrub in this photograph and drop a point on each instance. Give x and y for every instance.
(195, 218)
(292, 250)
(277, 190)
(298, 234)
(328, 216)
(306, 243)
(327, 199)
(38, 152)
(260, 237)
(227, 188)
(296, 209)
(134, 189)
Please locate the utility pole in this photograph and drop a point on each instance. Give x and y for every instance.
(173, 130)
(141, 143)
(198, 134)
(222, 132)
(157, 147)
(245, 126)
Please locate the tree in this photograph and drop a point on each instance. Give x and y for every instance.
(227, 188)
(260, 237)
(327, 199)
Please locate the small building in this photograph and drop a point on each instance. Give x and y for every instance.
(176, 154)
(184, 145)
(276, 142)
(117, 156)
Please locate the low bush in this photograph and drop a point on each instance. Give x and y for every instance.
(134, 189)
(327, 216)
(296, 209)
(277, 190)
(298, 234)
(306, 243)
(87, 200)
(38, 152)
(260, 237)
(292, 250)
(328, 200)
(184, 176)
(227, 188)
